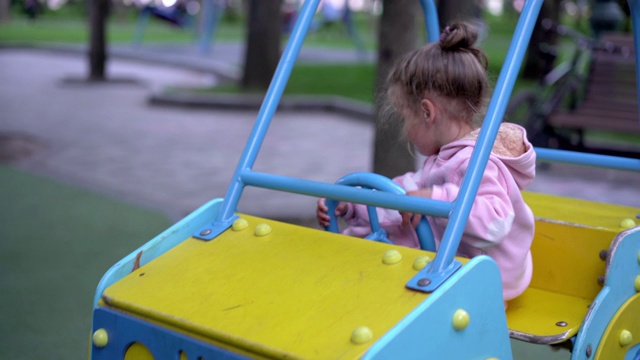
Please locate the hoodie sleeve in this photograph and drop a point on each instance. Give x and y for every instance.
(492, 212)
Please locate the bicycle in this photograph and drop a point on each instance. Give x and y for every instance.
(561, 88)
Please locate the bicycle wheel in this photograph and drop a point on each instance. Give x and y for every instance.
(520, 106)
(524, 109)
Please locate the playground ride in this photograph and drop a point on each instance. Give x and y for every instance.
(225, 285)
(183, 14)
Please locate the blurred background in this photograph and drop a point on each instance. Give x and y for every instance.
(120, 117)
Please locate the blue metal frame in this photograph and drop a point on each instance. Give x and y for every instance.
(457, 211)
(431, 20)
(226, 216)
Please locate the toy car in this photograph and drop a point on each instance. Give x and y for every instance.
(225, 285)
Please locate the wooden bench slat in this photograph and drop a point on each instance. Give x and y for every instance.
(589, 122)
(610, 99)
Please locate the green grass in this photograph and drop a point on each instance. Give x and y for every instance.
(56, 241)
(68, 25)
(353, 81)
(76, 31)
(356, 81)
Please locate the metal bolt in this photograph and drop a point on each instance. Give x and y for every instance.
(588, 352)
(205, 232)
(561, 323)
(603, 254)
(424, 282)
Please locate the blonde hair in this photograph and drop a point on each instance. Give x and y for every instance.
(452, 71)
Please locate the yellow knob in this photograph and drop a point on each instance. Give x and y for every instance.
(392, 257)
(361, 335)
(420, 262)
(627, 223)
(460, 319)
(637, 283)
(263, 230)
(625, 338)
(100, 338)
(240, 224)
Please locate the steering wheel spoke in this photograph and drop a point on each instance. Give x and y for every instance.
(378, 183)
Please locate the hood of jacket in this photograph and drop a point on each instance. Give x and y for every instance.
(511, 147)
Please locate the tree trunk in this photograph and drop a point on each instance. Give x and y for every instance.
(98, 13)
(5, 11)
(263, 43)
(463, 10)
(397, 35)
(534, 65)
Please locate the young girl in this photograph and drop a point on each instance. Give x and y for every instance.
(439, 90)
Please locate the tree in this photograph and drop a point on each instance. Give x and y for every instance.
(534, 64)
(98, 13)
(452, 10)
(397, 35)
(263, 43)
(5, 11)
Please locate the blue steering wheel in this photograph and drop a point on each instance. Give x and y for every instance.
(379, 183)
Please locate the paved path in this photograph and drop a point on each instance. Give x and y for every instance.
(107, 138)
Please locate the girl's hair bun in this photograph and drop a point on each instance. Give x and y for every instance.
(458, 36)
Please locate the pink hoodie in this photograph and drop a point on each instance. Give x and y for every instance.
(500, 224)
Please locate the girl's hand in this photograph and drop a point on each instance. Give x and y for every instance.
(321, 212)
(412, 218)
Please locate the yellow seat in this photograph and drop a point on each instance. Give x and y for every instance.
(569, 259)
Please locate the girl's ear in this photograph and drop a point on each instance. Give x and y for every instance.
(428, 111)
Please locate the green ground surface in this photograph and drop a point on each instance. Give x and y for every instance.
(56, 241)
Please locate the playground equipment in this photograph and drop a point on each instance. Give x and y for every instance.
(219, 284)
(183, 14)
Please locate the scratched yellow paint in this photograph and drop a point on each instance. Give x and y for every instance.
(566, 259)
(577, 211)
(551, 317)
(295, 293)
(570, 235)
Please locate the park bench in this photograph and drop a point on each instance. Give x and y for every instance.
(609, 103)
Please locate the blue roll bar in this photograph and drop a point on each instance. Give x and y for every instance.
(431, 20)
